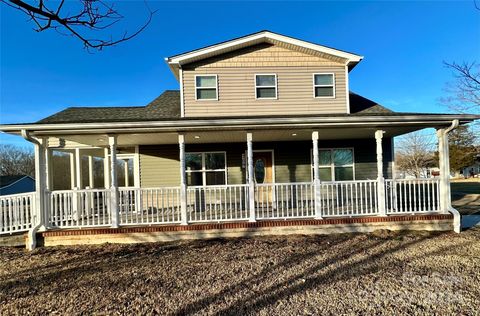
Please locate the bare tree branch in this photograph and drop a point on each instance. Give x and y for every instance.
(464, 91)
(91, 16)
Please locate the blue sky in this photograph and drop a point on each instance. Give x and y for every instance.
(404, 44)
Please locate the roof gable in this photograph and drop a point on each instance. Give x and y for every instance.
(175, 62)
(265, 54)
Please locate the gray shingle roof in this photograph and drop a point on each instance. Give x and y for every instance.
(167, 107)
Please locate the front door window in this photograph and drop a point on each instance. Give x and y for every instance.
(259, 171)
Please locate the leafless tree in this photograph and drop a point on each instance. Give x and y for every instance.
(15, 160)
(464, 91)
(82, 19)
(415, 154)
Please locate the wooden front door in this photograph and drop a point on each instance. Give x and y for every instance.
(263, 167)
(263, 174)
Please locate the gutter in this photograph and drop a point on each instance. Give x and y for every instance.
(241, 123)
(457, 218)
(32, 233)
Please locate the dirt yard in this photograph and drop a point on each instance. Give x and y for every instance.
(379, 273)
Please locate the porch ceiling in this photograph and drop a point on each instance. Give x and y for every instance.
(236, 136)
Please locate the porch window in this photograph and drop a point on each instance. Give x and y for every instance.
(206, 168)
(206, 87)
(266, 86)
(324, 85)
(335, 164)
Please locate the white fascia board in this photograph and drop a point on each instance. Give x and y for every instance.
(263, 35)
(236, 123)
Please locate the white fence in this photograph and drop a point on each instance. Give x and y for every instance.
(412, 196)
(149, 205)
(16, 212)
(79, 208)
(217, 203)
(348, 198)
(284, 200)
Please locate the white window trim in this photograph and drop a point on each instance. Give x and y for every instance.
(256, 87)
(324, 85)
(204, 170)
(197, 88)
(332, 164)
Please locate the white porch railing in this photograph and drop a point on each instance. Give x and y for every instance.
(217, 203)
(79, 208)
(348, 198)
(149, 205)
(16, 212)
(412, 196)
(284, 200)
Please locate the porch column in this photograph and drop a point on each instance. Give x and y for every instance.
(183, 181)
(381, 180)
(444, 166)
(125, 168)
(251, 183)
(106, 172)
(78, 169)
(91, 182)
(316, 177)
(48, 167)
(72, 171)
(40, 184)
(112, 142)
(48, 179)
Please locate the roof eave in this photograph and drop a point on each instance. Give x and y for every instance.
(340, 121)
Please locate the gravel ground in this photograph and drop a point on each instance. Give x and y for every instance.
(378, 273)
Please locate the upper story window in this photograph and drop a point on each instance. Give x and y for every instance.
(266, 86)
(206, 87)
(324, 85)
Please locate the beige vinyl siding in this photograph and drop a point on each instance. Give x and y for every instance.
(159, 164)
(266, 55)
(236, 84)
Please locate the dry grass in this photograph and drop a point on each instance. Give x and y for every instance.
(380, 273)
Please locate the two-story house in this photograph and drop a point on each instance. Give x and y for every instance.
(262, 137)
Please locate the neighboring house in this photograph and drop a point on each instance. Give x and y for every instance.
(16, 184)
(429, 172)
(263, 128)
(473, 170)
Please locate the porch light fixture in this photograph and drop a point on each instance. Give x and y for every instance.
(294, 134)
(197, 137)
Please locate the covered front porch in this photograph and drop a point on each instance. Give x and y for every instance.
(188, 177)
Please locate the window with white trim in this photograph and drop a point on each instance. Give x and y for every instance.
(206, 87)
(324, 85)
(266, 86)
(206, 168)
(335, 164)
